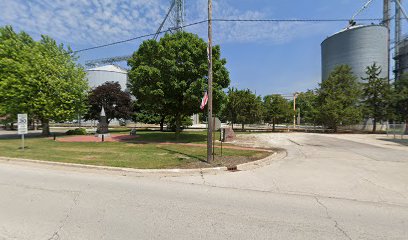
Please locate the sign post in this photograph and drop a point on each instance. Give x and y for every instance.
(22, 127)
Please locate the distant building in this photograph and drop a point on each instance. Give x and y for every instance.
(108, 73)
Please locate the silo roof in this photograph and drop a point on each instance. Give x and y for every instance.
(108, 68)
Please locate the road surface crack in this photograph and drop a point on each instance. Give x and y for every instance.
(55, 235)
(336, 224)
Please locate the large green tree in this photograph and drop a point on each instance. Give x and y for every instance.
(168, 77)
(277, 109)
(243, 107)
(338, 98)
(376, 95)
(39, 78)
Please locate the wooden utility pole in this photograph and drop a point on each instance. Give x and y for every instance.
(294, 109)
(210, 113)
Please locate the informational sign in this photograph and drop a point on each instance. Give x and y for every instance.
(217, 123)
(22, 123)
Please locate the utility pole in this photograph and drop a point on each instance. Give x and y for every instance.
(294, 109)
(210, 114)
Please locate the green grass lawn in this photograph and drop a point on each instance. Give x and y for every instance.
(144, 152)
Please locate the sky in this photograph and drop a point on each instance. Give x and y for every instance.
(265, 57)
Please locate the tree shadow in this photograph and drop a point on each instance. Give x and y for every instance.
(188, 155)
(396, 140)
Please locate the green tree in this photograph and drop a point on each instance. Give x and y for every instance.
(277, 109)
(117, 103)
(169, 77)
(39, 78)
(338, 98)
(306, 103)
(376, 96)
(400, 99)
(243, 107)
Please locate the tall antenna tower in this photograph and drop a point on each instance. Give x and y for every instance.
(177, 18)
(175, 15)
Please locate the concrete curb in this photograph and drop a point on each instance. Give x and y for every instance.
(261, 162)
(146, 172)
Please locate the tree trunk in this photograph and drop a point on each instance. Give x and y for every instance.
(406, 126)
(178, 123)
(273, 125)
(45, 127)
(161, 124)
(243, 127)
(374, 125)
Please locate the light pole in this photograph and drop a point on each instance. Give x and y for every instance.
(295, 95)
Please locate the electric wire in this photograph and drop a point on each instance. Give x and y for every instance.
(223, 20)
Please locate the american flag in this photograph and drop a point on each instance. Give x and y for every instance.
(204, 101)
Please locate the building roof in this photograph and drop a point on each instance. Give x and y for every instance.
(108, 68)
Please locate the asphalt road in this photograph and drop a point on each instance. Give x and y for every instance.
(327, 187)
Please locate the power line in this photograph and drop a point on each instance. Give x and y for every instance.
(295, 20)
(225, 20)
(138, 37)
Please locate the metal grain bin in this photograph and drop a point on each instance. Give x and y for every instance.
(109, 73)
(358, 47)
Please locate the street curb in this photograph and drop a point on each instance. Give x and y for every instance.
(170, 172)
(261, 162)
(145, 172)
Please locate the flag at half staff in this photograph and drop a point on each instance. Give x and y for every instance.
(204, 101)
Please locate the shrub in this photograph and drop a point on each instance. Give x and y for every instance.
(76, 131)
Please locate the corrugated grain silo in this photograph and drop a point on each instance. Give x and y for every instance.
(109, 73)
(357, 46)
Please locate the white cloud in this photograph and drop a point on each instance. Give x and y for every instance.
(247, 32)
(84, 21)
(103, 21)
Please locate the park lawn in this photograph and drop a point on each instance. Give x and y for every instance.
(133, 154)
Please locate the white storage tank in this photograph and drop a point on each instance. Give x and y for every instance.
(357, 46)
(108, 73)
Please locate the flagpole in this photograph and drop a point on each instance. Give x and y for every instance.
(210, 114)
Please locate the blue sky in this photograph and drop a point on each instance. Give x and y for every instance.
(264, 57)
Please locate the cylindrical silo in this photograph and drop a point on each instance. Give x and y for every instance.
(358, 47)
(109, 73)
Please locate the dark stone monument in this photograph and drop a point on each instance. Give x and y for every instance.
(102, 128)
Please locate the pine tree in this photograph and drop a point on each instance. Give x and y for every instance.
(376, 95)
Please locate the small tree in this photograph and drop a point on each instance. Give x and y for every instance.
(277, 109)
(117, 103)
(306, 103)
(243, 107)
(338, 98)
(376, 96)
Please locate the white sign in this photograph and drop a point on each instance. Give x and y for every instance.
(22, 123)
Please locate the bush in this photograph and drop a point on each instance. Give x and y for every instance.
(77, 131)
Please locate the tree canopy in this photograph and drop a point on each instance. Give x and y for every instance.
(338, 98)
(39, 78)
(117, 103)
(306, 104)
(169, 77)
(243, 107)
(277, 109)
